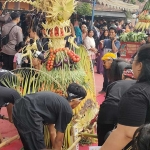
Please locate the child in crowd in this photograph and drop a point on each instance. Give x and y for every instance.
(18, 56)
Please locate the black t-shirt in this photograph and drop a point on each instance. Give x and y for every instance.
(8, 95)
(113, 95)
(119, 88)
(43, 107)
(134, 107)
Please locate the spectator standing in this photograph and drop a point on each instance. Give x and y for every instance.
(84, 31)
(15, 37)
(78, 33)
(90, 44)
(100, 67)
(109, 45)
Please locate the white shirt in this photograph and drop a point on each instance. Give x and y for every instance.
(89, 43)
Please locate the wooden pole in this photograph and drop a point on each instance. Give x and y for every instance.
(74, 144)
(16, 137)
(88, 135)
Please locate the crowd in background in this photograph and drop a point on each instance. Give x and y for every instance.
(102, 43)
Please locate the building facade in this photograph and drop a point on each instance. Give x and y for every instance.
(17, 6)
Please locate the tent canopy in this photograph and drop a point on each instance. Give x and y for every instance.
(118, 4)
(110, 14)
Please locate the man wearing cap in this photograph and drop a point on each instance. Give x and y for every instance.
(15, 37)
(32, 111)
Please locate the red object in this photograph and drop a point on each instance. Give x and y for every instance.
(128, 49)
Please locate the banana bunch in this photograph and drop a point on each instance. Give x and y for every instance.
(132, 37)
(141, 26)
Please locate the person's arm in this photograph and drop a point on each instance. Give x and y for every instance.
(4, 18)
(15, 62)
(88, 46)
(119, 138)
(63, 119)
(115, 46)
(132, 114)
(19, 35)
(9, 111)
(58, 141)
(52, 132)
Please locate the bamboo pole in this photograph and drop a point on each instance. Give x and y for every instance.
(74, 144)
(16, 137)
(88, 135)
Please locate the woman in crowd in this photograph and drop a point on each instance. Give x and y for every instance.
(108, 119)
(134, 107)
(114, 66)
(84, 31)
(100, 54)
(90, 44)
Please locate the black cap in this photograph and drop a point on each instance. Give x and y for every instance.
(76, 91)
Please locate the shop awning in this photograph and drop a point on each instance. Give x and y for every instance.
(109, 14)
(118, 4)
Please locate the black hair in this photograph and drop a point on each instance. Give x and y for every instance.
(114, 73)
(19, 46)
(143, 56)
(90, 31)
(76, 91)
(15, 15)
(102, 37)
(128, 67)
(1, 5)
(141, 138)
(113, 28)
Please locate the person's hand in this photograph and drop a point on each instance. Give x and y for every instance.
(114, 39)
(143, 42)
(11, 120)
(98, 54)
(95, 50)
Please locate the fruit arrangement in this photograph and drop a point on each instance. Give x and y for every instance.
(60, 56)
(144, 21)
(132, 37)
(63, 66)
(144, 18)
(57, 32)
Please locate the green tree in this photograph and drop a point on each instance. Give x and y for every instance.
(84, 9)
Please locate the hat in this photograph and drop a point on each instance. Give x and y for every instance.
(109, 56)
(76, 91)
(128, 73)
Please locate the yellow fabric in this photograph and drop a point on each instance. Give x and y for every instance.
(108, 56)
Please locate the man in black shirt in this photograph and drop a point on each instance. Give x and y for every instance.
(7, 99)
(108, 119)
(32, 111)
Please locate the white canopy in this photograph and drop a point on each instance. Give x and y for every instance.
(118, 4)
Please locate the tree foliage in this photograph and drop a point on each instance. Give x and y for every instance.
(84, 9)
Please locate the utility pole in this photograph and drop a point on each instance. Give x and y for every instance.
(93, 10)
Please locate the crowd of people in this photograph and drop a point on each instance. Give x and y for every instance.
(124, 115)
